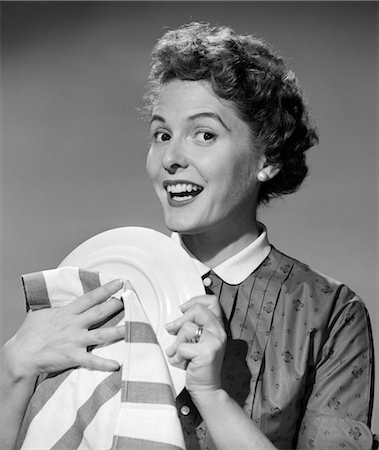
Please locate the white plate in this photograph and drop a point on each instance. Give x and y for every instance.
(162, 273)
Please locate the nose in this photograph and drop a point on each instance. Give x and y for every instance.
(174, 157)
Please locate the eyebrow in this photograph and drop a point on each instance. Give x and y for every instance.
(210, 115)
(157, 117)
(193, 117)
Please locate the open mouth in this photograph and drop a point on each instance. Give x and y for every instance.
(182, 191)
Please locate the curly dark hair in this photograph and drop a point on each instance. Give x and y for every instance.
(244, 70)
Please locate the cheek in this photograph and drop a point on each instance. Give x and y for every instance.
(244, 174)
(151, 165)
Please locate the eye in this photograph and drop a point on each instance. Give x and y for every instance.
(205, 136)
(161, 136)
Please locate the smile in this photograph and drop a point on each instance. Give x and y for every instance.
(182, 191)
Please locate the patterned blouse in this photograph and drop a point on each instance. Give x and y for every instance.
(299, 358)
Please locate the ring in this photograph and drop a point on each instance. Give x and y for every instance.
(197, 336)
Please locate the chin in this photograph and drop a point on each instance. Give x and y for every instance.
(179, 228)
(187, 220)
(181, 225)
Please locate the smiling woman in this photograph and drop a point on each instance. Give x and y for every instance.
(277, 355)
(229, 131)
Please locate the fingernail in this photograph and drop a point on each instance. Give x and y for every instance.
(171, 328)
(116, 298)
(169, 350)
(117, 282)
(169, 325)
(115, 366)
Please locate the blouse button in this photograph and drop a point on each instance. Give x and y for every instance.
(207, 282)
(185, 410)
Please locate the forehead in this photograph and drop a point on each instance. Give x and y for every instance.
(182, 99)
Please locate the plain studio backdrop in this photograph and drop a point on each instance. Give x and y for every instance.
(74, 145)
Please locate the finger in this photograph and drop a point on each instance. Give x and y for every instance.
(205, 300)
(185, 334)
(94, 297)
(184, 353)
(207, 348)
(98, 313)
(209, 301)
(94, 362)
(199, 314)
(105, 335)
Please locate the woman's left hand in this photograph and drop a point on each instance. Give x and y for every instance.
(201, 316)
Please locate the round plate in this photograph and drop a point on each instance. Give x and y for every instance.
(162, 273)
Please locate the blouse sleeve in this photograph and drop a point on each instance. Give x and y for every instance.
(339, 408)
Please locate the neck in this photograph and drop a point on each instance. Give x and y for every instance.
(214, 248)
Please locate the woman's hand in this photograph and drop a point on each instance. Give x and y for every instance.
(204, 358)
(55, 339)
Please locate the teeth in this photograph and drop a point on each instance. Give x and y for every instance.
(182, 199)
(181, 188)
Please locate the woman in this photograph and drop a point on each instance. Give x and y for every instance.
(276, 355)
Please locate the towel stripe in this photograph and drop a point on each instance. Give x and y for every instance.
(122, 442)
(103, 392)
(35, 289)
(146, 392)
(140, 333)
(42, 394)
(89, 280)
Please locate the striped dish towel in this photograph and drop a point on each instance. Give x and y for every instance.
(80, 408)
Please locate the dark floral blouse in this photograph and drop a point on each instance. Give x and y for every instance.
(299, 359)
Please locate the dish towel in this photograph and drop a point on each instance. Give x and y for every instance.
(89, 409)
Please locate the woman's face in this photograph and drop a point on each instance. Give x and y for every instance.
(201, 160)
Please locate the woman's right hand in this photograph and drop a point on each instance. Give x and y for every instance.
(54, 339)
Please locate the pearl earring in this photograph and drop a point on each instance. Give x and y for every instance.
(262, 176)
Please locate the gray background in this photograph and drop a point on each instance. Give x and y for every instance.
(73, 146)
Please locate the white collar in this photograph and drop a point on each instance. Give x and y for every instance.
(238, 267)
